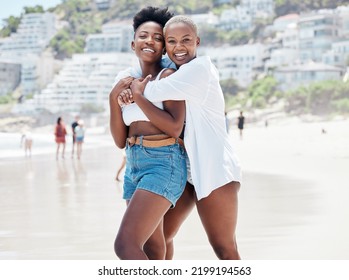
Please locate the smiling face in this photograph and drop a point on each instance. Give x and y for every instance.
(148, 42)
(181, 42)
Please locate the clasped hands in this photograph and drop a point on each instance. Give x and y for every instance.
(135, 89)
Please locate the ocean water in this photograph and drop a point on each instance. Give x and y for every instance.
(44, 143)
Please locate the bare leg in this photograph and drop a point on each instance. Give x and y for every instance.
(72, 151)
(143, 215)
(175, 217)
(57, 151)
(218, 213)
(79, 149)
(29, 146)
(63, 150)
(155, 247)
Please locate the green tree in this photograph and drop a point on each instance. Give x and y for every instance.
(320, 98)
(261, 91)
(11, 25)
(35, 9)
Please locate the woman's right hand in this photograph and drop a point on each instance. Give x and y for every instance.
(125, 97)
(122, 85)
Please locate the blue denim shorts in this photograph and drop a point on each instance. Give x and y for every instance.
(160, 170)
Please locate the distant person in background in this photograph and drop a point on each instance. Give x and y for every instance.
(79, 132)
(60, 133)
(73, 126)
(227, 122)
(266, 123)
(27, 140)
(241, 122)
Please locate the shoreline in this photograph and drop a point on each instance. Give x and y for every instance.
(293, 198)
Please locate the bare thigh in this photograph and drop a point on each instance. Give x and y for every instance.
(176, 216)
(143, 214)
(218, 213)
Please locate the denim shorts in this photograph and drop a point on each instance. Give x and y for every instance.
(160, 170)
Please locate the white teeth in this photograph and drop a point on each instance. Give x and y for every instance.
(148, 50)
(180, 54)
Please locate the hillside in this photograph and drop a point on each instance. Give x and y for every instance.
(84, 18)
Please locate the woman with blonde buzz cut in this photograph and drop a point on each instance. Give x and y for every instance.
(214, 174)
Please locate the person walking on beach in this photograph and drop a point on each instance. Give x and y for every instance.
(60, 133)
(214, 166)
(155, 173)
(73, 126)
(227, 122)
(241, 122)
(79, 132)
(27, 140)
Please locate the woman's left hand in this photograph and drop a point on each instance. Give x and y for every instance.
(125, 97)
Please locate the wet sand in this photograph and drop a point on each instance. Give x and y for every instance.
(293, 201)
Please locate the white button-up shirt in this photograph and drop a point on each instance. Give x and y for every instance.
(213, 161)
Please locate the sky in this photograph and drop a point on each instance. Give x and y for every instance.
(15, 7)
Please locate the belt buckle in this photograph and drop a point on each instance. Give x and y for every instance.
(131, 140)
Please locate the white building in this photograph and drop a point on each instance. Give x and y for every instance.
(238, 18)
(343, 14)
(33, 34)
(26, 47)
(259, 8)
(293, 76)
(85, 79)
(239, 63)
(116, 36)
(281, 57)
(205, 19)
(281, 23)
(10, 76)
(316, 34)
(290, 37)
(338, 55)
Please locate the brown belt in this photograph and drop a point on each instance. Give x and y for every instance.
(153, 141)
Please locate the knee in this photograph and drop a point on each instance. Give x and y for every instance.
(226, 251)
(120, 246)
(155, 250)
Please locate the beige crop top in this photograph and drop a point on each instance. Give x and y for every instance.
(132, 113)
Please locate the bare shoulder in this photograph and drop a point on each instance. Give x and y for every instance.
(167, 72)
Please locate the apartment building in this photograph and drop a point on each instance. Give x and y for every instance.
(338, 55)
(116, 36)
(208, 19)
(293, 76)
(85, 79)
(26, 48)
(239, 63)
(10, 76)
(238, 18)
(259, 8)
(282, 23)
(33, 34)
(317, 31)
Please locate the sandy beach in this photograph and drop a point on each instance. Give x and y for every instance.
(293, 200)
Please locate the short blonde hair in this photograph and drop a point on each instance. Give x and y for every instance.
(182, 19)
